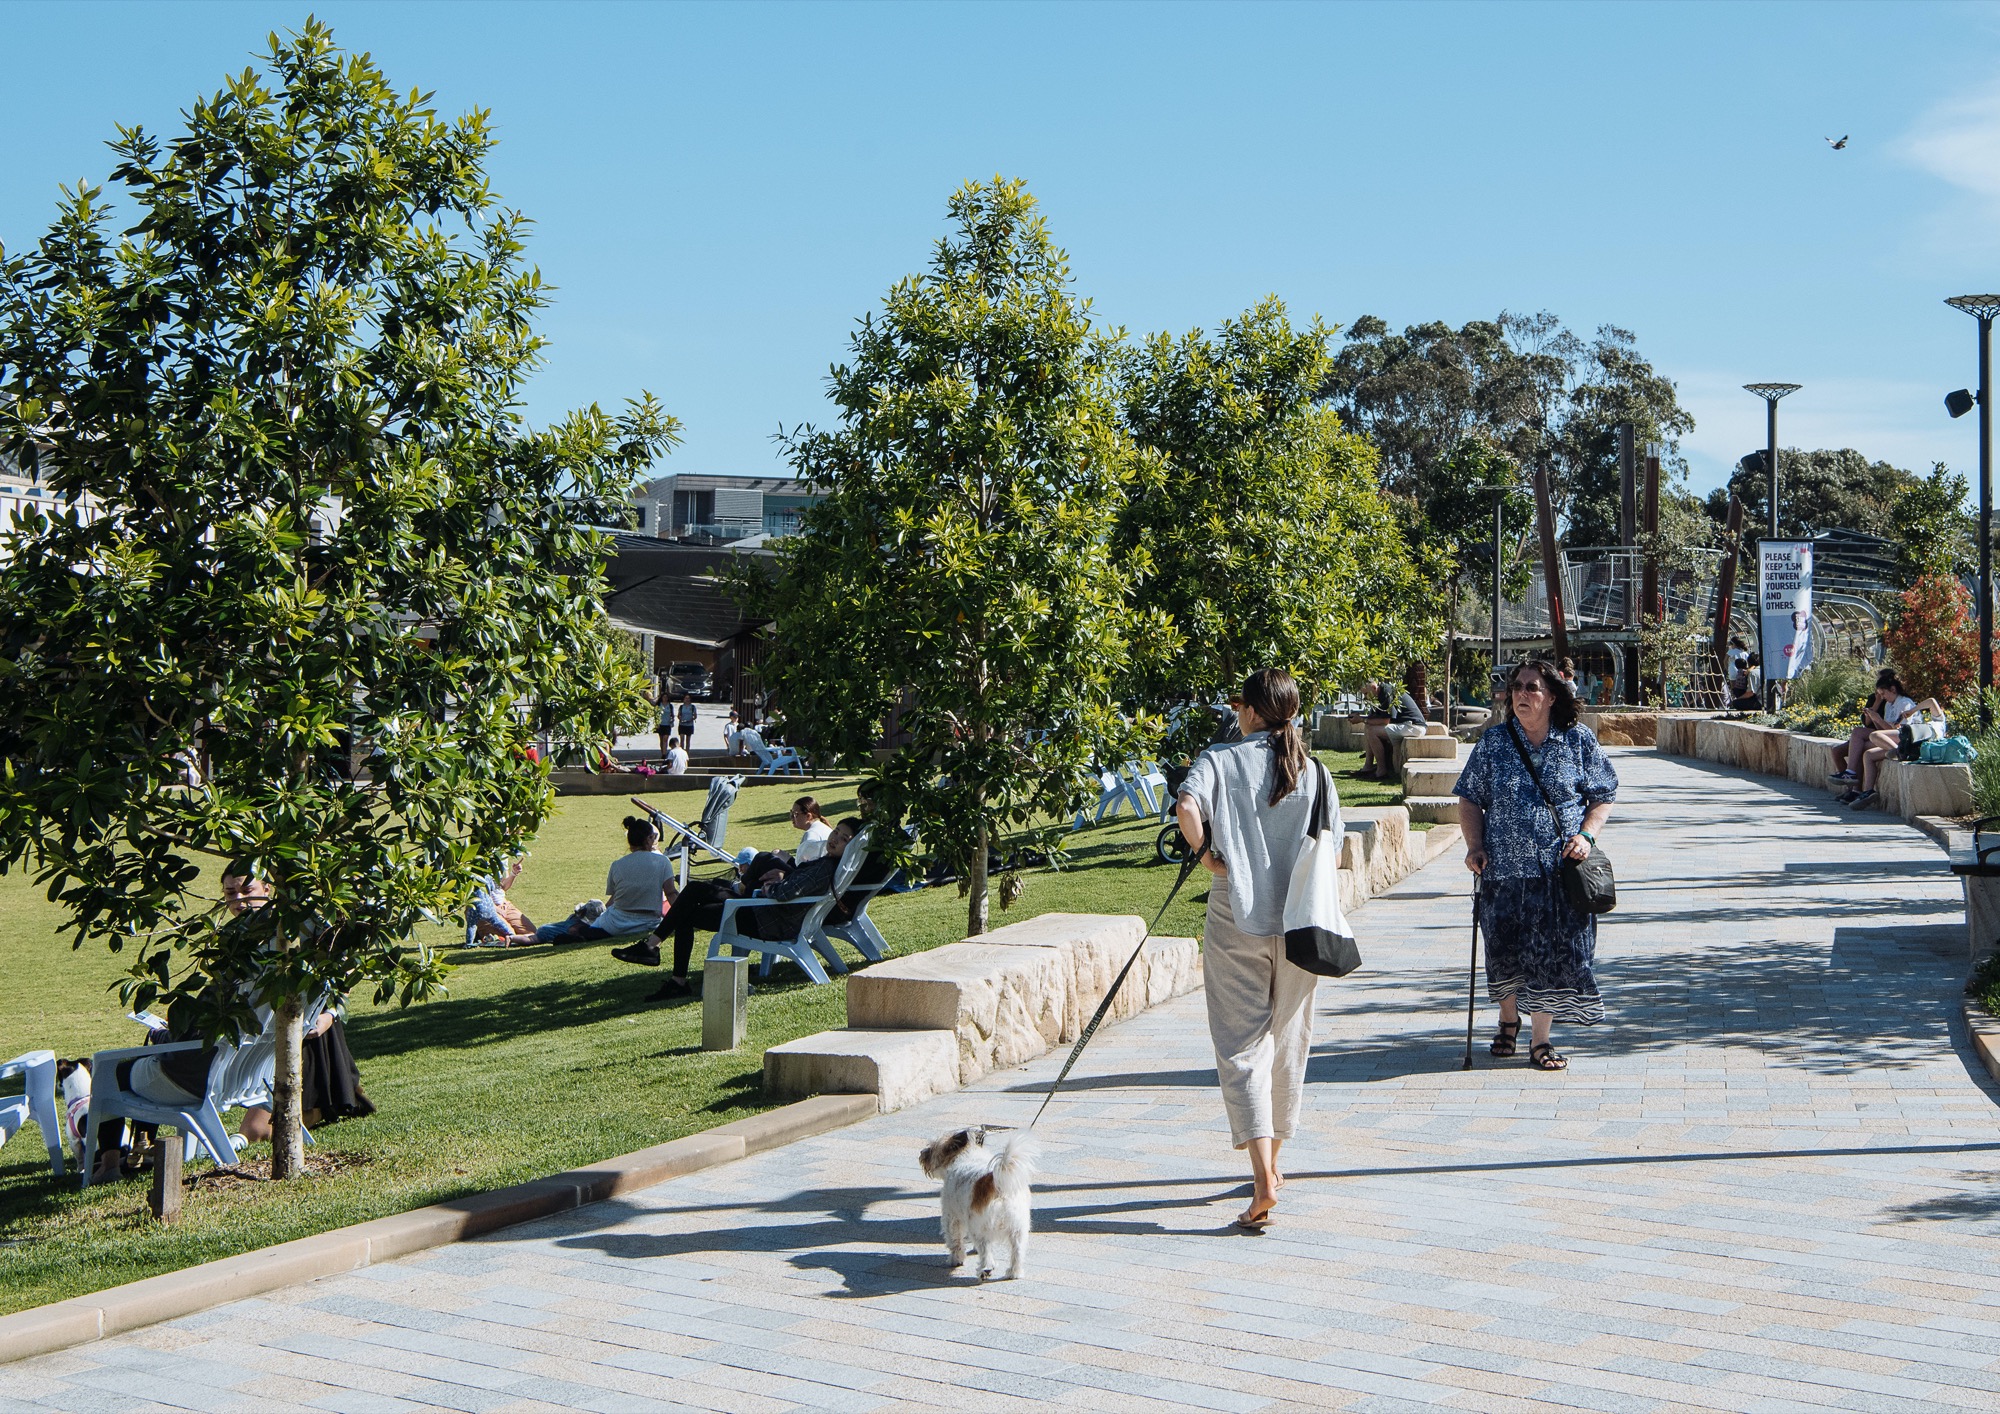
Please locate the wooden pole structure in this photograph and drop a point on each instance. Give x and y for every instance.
(1726, 595)
(1545, 523)
(1651, 610)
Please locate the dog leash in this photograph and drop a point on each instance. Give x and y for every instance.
(1117, 982)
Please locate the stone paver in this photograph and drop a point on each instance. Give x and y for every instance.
(1766, 1184)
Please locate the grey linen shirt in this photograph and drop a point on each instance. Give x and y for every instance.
(1260, 842)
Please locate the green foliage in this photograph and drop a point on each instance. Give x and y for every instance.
(1819, 490)
(1932, 639)
(308, 541)
(1841, 684)
(1984, 984)
(958, 579)
(1265, 539)
(1527, 385)
(1934, 533)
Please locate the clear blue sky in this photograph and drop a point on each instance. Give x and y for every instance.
(722, 191)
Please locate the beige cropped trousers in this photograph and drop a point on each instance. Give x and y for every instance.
(1260, 1018)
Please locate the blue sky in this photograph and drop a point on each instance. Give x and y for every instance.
(721, 191)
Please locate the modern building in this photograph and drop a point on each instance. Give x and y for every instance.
(702, 508)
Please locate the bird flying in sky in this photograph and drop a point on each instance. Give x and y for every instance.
(1837, 143)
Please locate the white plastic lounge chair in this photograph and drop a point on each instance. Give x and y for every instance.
(37, 1070)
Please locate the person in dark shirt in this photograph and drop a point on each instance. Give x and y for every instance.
(1400, 715)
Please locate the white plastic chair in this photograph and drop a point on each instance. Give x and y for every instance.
(777, 760)
(238, 1076)
(810, 943)
(1115, 791)
(38, 1072)
(1150, 782)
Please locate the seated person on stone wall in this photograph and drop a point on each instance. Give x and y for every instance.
(1401, 716)
(1883, 712)
(1881, 747)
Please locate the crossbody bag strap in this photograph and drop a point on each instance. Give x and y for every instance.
(1514, 735)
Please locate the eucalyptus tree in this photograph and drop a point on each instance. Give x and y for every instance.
(956, 588)
(315, 584)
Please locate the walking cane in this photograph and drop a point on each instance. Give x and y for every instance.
(1472, 973)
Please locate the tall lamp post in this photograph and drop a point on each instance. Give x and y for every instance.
(1982, 308)
(1770, 393)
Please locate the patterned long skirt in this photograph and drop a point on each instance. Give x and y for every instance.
(1539, 950)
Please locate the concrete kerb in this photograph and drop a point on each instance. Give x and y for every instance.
(174, 1294)
(1985, 1033)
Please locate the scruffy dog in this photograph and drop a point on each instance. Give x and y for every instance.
(988, 1206)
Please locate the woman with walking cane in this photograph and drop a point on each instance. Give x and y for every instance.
(1250, 802)
(1518, 830)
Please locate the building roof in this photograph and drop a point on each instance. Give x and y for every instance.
(660, 586)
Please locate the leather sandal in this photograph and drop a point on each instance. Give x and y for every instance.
(1503, 1040)
(1547, 1057)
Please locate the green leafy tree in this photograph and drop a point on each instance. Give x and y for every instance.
(1454, 524)
(307, 544)
(1266, 541)
(1934, 533)
(1818, 491)
(956, 587)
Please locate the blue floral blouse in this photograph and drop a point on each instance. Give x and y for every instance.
(1521, 838)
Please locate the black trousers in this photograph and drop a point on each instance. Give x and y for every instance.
(699, 906)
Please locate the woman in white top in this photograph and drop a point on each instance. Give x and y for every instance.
(1250, 801)
(1882, 712)
(635, 888)
(807, 819)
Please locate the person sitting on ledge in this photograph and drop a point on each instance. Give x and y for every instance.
(1881, 746)
(1881, 713)
(1403, 720)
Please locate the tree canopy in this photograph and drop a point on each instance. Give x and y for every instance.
(309, 547)
(957, 586)
(1525, 384)
(1819, 490)
(1266, 539)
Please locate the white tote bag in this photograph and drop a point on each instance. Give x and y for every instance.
(1317, 936)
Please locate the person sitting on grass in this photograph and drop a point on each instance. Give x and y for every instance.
(1881, 746)
(635, 890)
(1883, 712)
(496, 923)
(702, 910)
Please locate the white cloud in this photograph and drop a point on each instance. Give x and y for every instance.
(1959, 142)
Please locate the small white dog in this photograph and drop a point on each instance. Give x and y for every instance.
(988, 1205)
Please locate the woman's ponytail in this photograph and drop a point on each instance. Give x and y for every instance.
(640, 832)
(1274, 697)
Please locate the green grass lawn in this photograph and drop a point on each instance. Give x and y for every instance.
(538, 1060)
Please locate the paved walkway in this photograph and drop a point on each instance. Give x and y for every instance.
(1766, 1183)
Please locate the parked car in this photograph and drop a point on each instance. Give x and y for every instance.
(693, 679)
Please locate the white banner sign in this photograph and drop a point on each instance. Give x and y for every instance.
(1785, 580)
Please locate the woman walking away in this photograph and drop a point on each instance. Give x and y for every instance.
(1250, 800)
(1538, 948)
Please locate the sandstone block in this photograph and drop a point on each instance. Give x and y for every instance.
(1444, 839)
(1093, 947)
(1713, 742)
(1172, 967)
(899, 1068)
(1808, 760)
(1005, 1004)
(1437, 747)
(1385, 840)
(1624, 728)
(1432, 809)
(1351, 896)
(1430, 777)
(1910, 789)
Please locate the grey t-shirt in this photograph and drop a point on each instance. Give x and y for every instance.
(1260, 842)
(637, 881)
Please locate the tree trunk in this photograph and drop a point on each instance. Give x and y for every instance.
(288, 1138)
(975, 899)
(1450, 649)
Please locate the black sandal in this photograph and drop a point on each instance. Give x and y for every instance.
(673, 989)
(1503, 1042)
(1547, 1057)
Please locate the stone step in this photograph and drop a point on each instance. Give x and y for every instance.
(1430, 777)
(1432, 809)
(899, 1068)
(1430, 748)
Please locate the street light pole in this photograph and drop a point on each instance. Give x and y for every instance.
(1770, 393)
(1983, 308)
